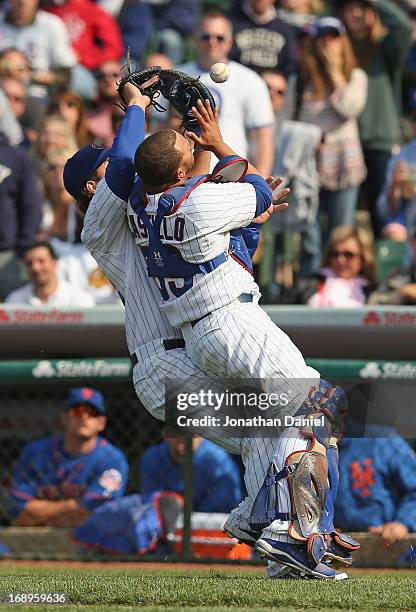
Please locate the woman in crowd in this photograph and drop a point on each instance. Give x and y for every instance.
(348, 271)
(60, 218)
(56, 134)
(380, 33)
(68, 105)
(334, 94)
(55, 144)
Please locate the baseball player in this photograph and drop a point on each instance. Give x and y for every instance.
(216, 476)
(214, 301)
(60, 480)
(156, 349)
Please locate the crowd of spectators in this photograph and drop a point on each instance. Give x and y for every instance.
(321, 92)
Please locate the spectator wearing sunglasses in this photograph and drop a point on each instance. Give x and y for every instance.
(245, 112)
(100, 118)
(58, 481)
(348, 271)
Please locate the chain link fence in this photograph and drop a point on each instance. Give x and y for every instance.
(32, 398)
(32, 411)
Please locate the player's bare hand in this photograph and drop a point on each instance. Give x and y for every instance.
(134, 96)
(390, 532)
(273, 183)
(277, 204)
(210, 137)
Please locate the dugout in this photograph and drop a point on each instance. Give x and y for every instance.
(43, 353)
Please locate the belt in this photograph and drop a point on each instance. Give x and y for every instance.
(244, 298)
(168, 344)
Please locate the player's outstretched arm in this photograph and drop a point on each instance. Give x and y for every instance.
(105, 223)
(120, 172)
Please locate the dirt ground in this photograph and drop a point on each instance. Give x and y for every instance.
(162, 566)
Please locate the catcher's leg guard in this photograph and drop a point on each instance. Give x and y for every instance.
(326, 525)
(339, 549)
(306, 473)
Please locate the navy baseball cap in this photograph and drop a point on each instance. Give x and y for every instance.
(328, 25)
(86, 395)
(81, 166)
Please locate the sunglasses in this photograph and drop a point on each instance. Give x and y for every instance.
(345, 254)
(205, 37)
(82, 409)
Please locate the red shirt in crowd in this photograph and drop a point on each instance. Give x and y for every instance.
(95, 35)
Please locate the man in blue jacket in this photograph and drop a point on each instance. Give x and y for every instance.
(58, 481)
(377, 490)
(20, 213)
(217, 481)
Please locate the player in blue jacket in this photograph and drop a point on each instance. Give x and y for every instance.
(377, 489)
(60, 480)
(217, 481)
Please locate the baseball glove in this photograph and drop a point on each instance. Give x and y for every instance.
(183, 92)
(137, 78)
(179, 89)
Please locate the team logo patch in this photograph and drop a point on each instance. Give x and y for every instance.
(87, 393)
(111, 480)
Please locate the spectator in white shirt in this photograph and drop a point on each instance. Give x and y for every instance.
(45, 288)
(44, 40)
(246, 116)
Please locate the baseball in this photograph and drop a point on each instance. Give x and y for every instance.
(219, 72)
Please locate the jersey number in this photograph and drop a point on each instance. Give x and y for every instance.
(171, 288)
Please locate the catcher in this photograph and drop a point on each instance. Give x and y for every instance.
(187, 90)
(320, 540)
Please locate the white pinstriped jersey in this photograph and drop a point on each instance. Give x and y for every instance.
(110, 240)
(107, 236)
(200, 230)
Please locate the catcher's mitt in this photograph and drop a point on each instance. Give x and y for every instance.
(179, 89)
(183, 92)
(139, 77)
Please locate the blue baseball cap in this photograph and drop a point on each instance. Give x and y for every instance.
(81, 166)
(86, 395)
(327, 25)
